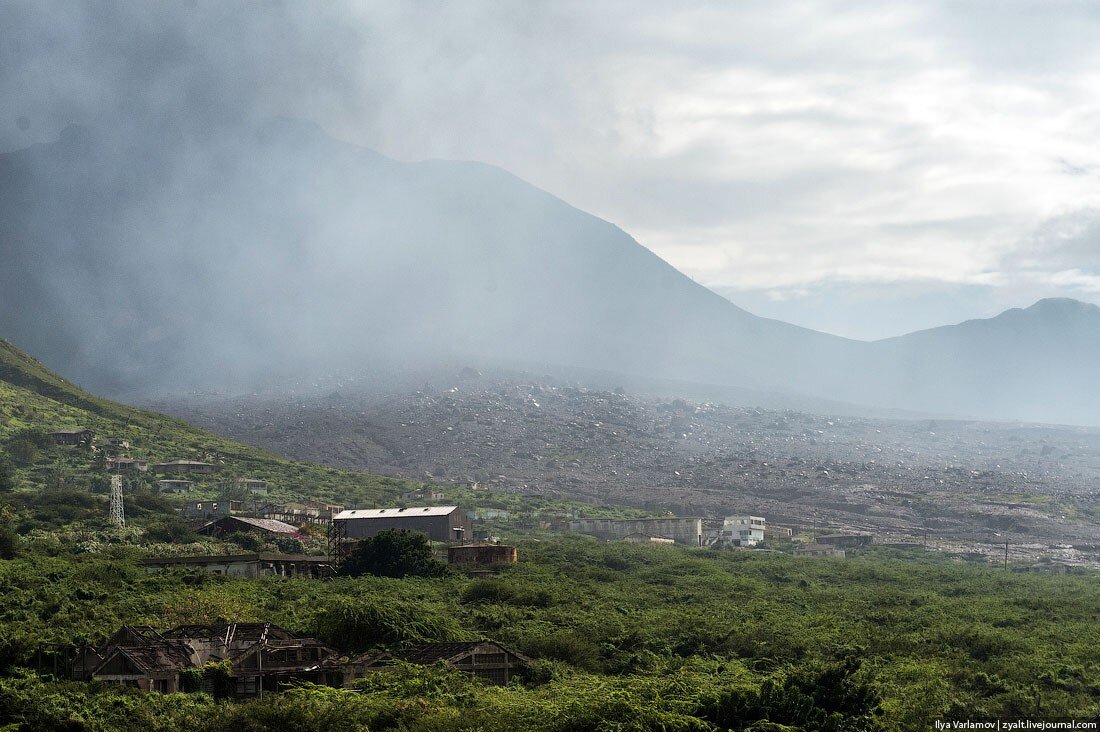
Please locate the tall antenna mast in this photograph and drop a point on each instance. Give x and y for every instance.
(118, 513)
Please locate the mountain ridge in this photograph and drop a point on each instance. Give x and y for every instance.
(169, 261)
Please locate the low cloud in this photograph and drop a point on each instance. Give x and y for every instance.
(757, 148)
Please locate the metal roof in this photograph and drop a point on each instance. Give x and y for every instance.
(377, 513)
(276, 527)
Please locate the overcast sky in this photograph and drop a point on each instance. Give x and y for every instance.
(862, 168)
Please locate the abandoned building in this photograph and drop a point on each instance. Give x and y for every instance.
(127, 465)
(485, 659)
(301, 512)
(243, 524)
(438, 523)
(128, 635)
(681, 530)
(207, 509)
(423, 494)
(778, 533)
(173, 485)
(640, 538)
(743, 530)
(154, 666)
(73, 437)
(252, 486)
(819, 550)
(247, 565)
(264, 657)
(847, 541)
(482, 554)
(184, 466)
(260, 655)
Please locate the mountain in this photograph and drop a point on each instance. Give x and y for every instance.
(1040, 363)
(284, 251)
(155, 259)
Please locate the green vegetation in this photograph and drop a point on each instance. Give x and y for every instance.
(625, 637)
(395, 554)
(34, 401)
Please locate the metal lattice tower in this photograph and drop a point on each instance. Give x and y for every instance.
(118, 513)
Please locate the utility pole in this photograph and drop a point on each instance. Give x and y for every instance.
(1006, 555)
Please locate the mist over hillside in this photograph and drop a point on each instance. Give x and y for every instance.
(159, 257)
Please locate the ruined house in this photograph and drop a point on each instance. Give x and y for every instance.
(73, 437)
(207, 509)
(485, 659)
(127, 465)
(301, 512)
(251, 566)
(184, 466)
(171, 485)
(847, 541)
(258, 655)
(819, 550)
(262, 657)
(154, 666)
(482, 554)
(243, 524)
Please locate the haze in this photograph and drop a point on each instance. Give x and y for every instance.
(862, 168)
(192, 197)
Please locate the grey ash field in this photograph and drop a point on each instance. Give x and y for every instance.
(957, 485)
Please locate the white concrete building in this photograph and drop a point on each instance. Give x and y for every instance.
(743, 530)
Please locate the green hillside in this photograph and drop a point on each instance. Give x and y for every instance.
(35, 401)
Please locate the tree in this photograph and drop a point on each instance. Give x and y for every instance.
(393, 553)
(25, 445)
(7, 475)
(170, 530)
(9, 543)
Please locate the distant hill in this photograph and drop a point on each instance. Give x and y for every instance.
(150, 260)
(1040, 363)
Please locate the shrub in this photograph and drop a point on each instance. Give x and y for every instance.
(289, 545)
(361, 623)
(393, 553)
(568, 646)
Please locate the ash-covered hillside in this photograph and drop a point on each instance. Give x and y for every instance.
(956, 483)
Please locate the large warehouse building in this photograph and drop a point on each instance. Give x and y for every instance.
(438, 523)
